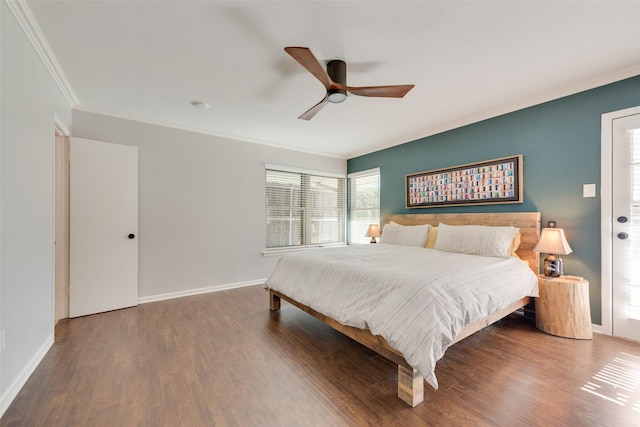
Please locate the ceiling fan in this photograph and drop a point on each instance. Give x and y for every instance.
(334, 80)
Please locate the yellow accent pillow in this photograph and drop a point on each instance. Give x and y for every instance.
(431, 238)
(515, 244)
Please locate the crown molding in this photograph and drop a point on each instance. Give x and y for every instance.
(27, 22)
(147, 120)
(538, 99)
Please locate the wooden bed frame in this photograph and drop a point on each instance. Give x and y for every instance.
(410, 382)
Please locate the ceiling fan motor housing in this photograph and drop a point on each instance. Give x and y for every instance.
(337, 70)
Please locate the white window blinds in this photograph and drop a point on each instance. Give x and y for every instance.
(364, 203)
(303, 209)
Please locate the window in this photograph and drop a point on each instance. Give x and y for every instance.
(303, 208)
(633, 270)
(364, 203)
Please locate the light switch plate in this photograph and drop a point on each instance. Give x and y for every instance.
(589, 190)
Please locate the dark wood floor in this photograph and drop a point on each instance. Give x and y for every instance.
(225, 359)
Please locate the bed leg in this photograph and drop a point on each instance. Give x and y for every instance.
(410, 386)
(274, 301)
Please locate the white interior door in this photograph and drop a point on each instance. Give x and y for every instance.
(626, 227)
(103, 272)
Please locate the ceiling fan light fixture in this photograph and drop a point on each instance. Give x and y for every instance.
(337, 96)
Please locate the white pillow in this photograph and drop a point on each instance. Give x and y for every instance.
(476, 239)
(407, 235)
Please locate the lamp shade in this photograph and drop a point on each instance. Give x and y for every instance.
(552, 241)
(373, 231)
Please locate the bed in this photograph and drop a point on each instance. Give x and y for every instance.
(403, 301)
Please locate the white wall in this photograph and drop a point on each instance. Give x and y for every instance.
(29, 100)
(201, 203)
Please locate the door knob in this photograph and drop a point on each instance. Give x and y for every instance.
(131, 236)
(622, 219)
(623, 236)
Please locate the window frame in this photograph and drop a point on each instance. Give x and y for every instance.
(350, 201)
(306, 207)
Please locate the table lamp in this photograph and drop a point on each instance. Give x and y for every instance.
(373, 231)
(553, 243)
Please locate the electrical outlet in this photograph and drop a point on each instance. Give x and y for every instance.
(2, 342)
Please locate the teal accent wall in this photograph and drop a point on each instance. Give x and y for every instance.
(560, 144)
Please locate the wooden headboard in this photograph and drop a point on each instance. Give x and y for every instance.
(527, 222)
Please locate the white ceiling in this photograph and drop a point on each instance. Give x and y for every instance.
(148, 60)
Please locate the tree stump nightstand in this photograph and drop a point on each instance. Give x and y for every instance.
(563, 308)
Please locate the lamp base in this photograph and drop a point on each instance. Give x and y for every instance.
(373, 240)
(553, 266)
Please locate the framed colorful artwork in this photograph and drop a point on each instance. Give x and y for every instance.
(491, 181)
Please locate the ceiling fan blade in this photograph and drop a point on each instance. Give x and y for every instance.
(305, 58)
(398, 91)
(308, 115)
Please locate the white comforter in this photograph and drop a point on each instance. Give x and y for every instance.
(417, 299)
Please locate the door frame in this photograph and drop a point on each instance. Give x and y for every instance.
(606, 214)
(59, 129)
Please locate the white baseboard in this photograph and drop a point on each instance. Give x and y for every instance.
(21, 380)
(172, 295)
(597, 329)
